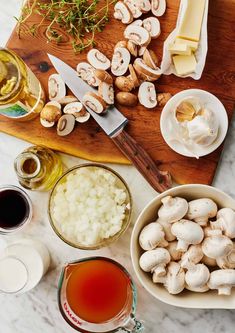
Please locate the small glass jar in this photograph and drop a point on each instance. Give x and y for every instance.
(38, 168)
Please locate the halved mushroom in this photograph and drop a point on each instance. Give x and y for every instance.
(147, 95)
(126, 98)
(124, 83)
(50, 114)
(120, 61)
(150, 59)
(152, 25)
(158, 7)
(145, 72)
(87, 73)
(67, 99)
(132, 48)
(144, 5)
(103, 76)
(138, 35)
(65, 125)
(106, 92)
(133, 76)
(121, 43)
(78, 111)
(133, 7)
(94, 102)
(122, 13)
(56, 87)
(98, 60)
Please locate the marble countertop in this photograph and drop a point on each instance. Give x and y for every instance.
(37, 310)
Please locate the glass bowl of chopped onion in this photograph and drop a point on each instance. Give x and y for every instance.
(90, 206)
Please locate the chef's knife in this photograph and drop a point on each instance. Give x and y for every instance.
(113, 123)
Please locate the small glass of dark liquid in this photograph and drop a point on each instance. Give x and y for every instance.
(15, 209)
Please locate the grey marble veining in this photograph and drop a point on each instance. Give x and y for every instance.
(37, 311)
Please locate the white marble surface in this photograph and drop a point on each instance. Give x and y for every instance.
(37, 311)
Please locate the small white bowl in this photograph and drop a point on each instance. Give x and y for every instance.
(187, 299)
(210, 102)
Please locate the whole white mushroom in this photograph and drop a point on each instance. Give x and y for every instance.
(172, 209)
(201, 210)
(225, 222)
(192, 256)
(197, 276)
(172, 248)
(227, 261)
(155, 261)
(217, 246)
(223, 280)
(151, 236)
(167, 229)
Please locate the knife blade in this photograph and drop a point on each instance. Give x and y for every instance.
(113, 123)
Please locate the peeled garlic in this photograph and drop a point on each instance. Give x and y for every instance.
(187, 109)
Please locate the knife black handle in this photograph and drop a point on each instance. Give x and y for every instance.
(159, 180)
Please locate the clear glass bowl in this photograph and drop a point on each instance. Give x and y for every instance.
(105, 242)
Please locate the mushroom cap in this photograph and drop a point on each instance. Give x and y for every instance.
(124, 83)
(56, 87)
(202, 289)
(120, 61)
(150, 59)
(151, 236)
(78, 111)
(208, 231)
(50, 114)
(144, 5)
(227, 221)
(98, 60)
(208, 261)
(94, 102)
(158, 7)
(174, 253)
(145, 72)
(103, 76)
(175, 280)
(138, 35)
(167, 229)
(152, 25)
(121, 43)
(133, 76)
(223, 280)
(132, 48)
(65, 124)
(187, 232)
(193, 256)
(173, 209)
(126, 98)
(217, 246)
(133, 7)
(106, 92)
(122, 12)
(151, 259)
(200, 210)
(147, 95)
(198, 276)
(227, 261)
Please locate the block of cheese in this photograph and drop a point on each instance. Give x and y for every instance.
(178, 48)
(193, 45)
(184, 65)
(190, 27)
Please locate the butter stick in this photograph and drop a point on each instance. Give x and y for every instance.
(184, 64)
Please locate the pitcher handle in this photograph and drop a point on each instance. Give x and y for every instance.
(133, 326)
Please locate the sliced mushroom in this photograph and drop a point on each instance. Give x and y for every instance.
(56, 87)
(67, 99)
(132, 48)
(121, 43)
(158, 7)
(120, 61)
(98, 60)
(124, 83)
(122, 13)
(50, 114)
(103, 76)
(147, 95)
(106, 92)
(152, 25)
(78, 111)
(132, 5)
(126, 98)
(87, 73)
(94, 102)
(150, 59)
(145, 72)
(144, 5)
(65, 125)
(137, 23)
(133, 76)
(137, 35)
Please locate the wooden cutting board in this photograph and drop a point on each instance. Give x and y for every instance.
(88, 141)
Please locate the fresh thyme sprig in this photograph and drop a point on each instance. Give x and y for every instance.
(81, 19)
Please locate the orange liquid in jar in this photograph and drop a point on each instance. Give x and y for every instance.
(98, 291)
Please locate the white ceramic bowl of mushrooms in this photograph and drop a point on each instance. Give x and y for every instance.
(183, 247)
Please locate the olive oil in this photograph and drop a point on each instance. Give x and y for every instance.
(21, 94)
(38, 168)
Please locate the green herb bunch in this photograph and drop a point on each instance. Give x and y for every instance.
(81, 19)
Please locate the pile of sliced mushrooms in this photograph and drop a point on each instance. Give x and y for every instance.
(190, 246)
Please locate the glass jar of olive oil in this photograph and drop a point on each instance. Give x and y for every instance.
(21, 94)
(38, 168)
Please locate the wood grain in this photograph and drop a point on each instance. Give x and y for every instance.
(88, 141)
